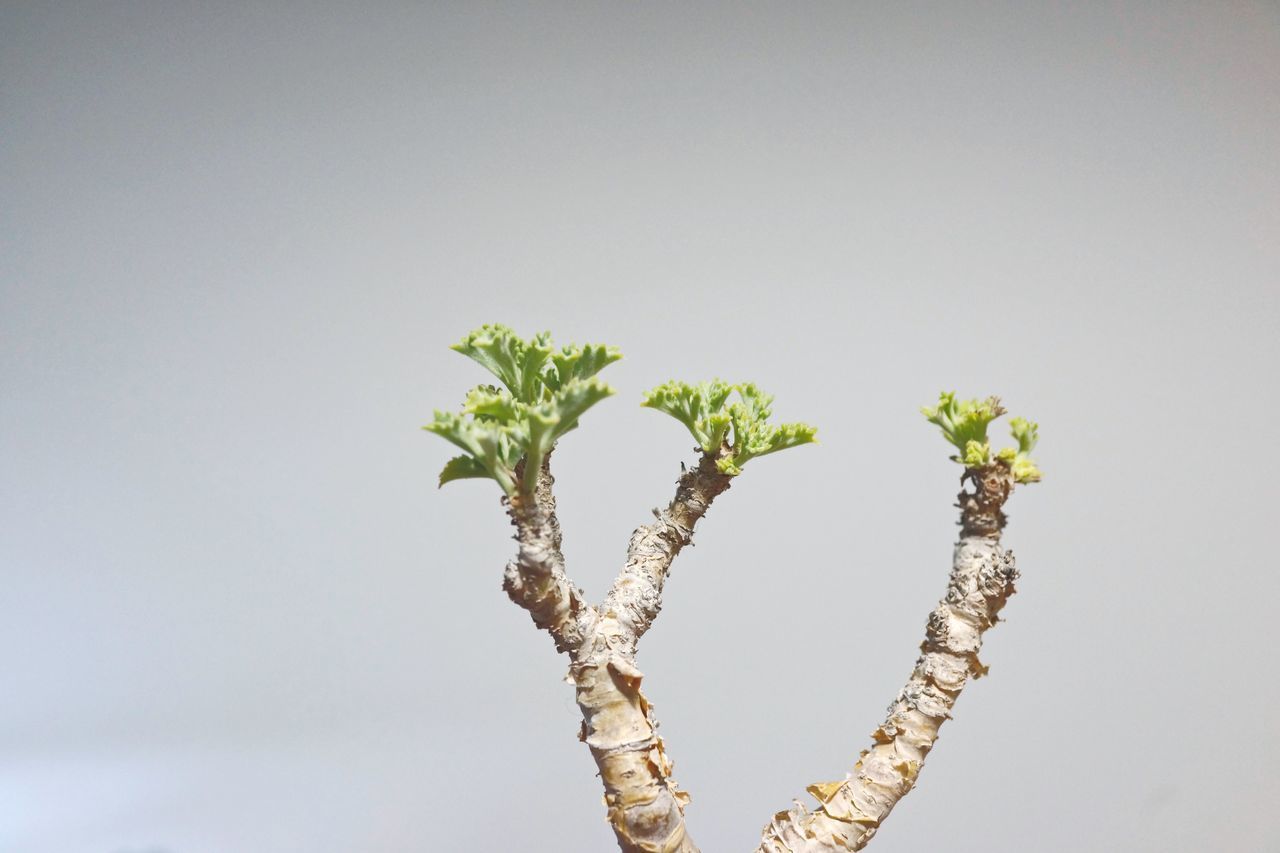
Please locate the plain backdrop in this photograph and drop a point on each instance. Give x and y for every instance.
(236, 240)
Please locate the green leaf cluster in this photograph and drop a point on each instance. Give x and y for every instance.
(964, 424)
(544, 392)
(734, 432)
(1027, 434)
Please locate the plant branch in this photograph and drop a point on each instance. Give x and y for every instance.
(636, 595)
(982, 578)
(645, 806)
(535, 579)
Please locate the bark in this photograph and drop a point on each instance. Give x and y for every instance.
(645, 806)
(536, 578)
(982, 578)
(636, 596)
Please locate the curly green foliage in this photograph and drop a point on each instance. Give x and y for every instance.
(516, 362)
(699, 407)
(545, 394)
(733, 432)
(963, 421)
(1027, 434)
(964, 424)
(578, 362)
(492, 448)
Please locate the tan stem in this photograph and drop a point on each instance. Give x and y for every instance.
(982, 578)
(636, 595)
(645, 806)
(536, 578)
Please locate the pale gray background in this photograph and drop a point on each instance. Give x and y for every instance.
(236, 614)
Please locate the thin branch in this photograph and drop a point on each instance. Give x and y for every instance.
(636, 596)
(982, 578)
(536, 578)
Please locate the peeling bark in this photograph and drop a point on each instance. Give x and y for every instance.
(536, 578)
(645, 806)
(636, 596)
(982, 579)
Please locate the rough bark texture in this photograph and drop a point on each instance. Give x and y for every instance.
(645, 806)
(536, 578)
(982, 578)
(636, 596)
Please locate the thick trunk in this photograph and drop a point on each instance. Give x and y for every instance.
(645, 807)
(982, 578)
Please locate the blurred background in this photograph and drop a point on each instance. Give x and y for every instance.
(236, 241)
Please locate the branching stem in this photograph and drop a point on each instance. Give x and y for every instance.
(636, 596)
(982, 578)
(645, 806)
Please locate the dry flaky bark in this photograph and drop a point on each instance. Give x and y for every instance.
(982, 578)
(645, 807)
(536, 578)
(508, 433)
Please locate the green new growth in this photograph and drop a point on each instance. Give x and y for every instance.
(964, 424)
(544, 394)
(733, 432)
(508, 431)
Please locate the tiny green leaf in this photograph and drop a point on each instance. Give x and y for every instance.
(555, 417)
(1021, 465)
(758, 405)
(1025, 470)
(976, 454)
(489, 403)
(964, 424)
(693, 406)
(716, 428)
(575, 397)
(733, 432)
(1026, 433)
(516, 362)
(493, 446)
(462, 468)
(752, 437)
(578, 362)
(963, 421)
